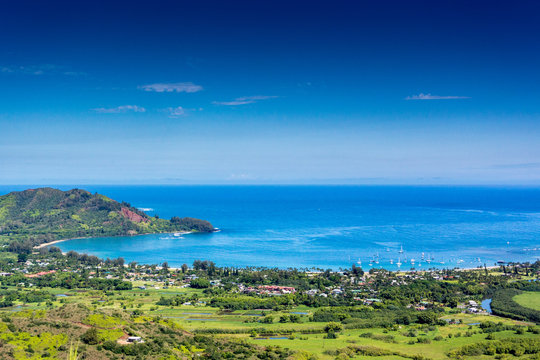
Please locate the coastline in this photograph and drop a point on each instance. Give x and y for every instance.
(85, 237)
(181, 233)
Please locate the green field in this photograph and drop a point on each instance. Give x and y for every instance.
(100, 305)
(439, 340)
(317, 344)
(529, 299)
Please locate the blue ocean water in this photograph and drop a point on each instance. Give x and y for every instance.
(331, 226)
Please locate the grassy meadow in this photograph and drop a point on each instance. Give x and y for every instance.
(529, 299)
(405, 341)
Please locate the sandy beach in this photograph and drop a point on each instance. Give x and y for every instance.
(51, 243)
(59, 241)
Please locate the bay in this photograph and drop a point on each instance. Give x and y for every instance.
(330, 226)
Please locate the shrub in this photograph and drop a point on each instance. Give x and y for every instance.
(333, 327)
(331, 335)
(90, 337)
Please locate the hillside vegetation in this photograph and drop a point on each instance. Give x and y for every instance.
(46, 214)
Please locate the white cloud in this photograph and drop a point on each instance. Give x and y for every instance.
(187, 87)
(120, 109)
(434, 97)
(244, 100)
(175, 112)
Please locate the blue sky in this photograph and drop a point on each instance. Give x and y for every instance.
(189, 92)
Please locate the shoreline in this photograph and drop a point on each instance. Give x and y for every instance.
(181, 233)
(91, 237)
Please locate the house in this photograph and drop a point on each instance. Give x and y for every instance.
(336, 292)
(42, 273)
(135, 339)
(371, 301)
(276, 289)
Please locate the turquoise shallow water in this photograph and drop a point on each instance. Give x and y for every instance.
(331, 226)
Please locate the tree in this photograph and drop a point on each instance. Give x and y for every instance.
(267, 320)
(90, 337)
(333, 327)
(120, 262)
(20, 247)
(357, 270)
(199, 283)
(165, 267)
(427, 317)
(184, 268)
(22, 258)
(294, 318)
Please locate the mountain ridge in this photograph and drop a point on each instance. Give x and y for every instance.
(46, 214)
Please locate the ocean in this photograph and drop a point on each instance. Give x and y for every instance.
(322, 227)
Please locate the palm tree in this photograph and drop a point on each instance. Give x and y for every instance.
(73, 352)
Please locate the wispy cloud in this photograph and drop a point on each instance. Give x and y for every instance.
(74, 73)
(120, 109)
(241, 177)
(244, 100)
(186, 87)
(176, 112)
(530, 165)
(45, 69)
(434, 97)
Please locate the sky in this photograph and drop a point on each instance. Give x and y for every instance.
(270, 92)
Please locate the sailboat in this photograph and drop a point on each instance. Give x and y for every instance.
(391, 261)
(401, 250)
(359, 262)
(399, 263)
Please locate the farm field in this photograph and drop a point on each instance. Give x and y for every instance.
(433, 342)
(54, 303)
(529, 299)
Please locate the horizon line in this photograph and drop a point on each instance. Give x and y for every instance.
(43, 185)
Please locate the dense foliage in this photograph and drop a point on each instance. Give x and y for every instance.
(503, 304)
(50, 301)
(46, 214)
(516, 347)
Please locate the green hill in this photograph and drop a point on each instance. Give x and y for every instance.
(46, 214)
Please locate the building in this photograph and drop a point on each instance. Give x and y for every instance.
(134, 339)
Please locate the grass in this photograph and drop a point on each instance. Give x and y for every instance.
(317, 344)
(199, 317)
(529, 299)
